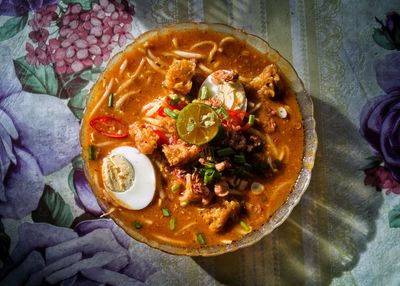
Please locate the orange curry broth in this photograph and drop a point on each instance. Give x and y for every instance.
(237, 56)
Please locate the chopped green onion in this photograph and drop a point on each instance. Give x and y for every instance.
(174, 100)
(211, 175)
(251, 119)
(110, 100)
(209, 165)
(172, 223)
(204, 92)
(222, 111)
(137, 224)
(276, 164)
(239, 159)
(92, 152)
(176, 188)
(201, 239)
(170, 113)
(225, 152)
(244, 226)
(165, 212)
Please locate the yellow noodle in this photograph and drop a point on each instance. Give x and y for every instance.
(122, 67)
(244, 79)
(171, 240)
(110, 211)
(147, 221)
(204, 68)
(225, 40)
(212, 52)
(168, 54)
(272, 145)
(255, 108)
(226, 241)
(258, 133)
(155, 59)
(103, 97)
(124, 85)
(282, 186)
(149, 79)
(189, 55)
(185, 227)
(153, 121)
(175, 43)
(136, 73)
(150, 112)
(151, 104)
(154, 66)
(124, 97)
(284, 153)
(106, 143)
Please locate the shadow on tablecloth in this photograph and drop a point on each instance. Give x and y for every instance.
(327, 231)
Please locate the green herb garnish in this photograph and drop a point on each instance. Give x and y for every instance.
(136, 224)
(172, 223)
(276, 164)
(244, 226)
(165, 212)
(222, 111)
(170, 113)
(240, 159)
(110, 100)
(204, 92)
(176, 188)
(201, 239)
(251, 119)
(210, 175)
(174, 100)
(92, 152)
(225, 152)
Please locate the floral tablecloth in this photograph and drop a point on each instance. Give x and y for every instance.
(342, 233)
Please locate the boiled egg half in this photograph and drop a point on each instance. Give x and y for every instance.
(129, 178)
(224, 86)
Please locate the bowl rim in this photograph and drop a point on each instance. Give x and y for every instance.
(283, 212)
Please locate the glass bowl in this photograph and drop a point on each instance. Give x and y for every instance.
(310, 143)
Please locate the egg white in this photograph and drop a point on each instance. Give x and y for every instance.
(231, 94)
(140, 194)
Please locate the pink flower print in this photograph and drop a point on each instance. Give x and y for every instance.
(39, 36)
(124, 17)
(85, 38)
(36, 56)
(123, 33)
(43, 18)
(381, 178)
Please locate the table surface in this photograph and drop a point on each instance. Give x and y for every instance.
(339, 234)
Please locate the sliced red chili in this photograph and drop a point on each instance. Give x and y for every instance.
(162, 138)
(109, 126)
(161, 109)
(161, 112)
(236, 117)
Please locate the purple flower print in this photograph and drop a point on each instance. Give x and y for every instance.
(85, 198)
(97, 252)
(21, 7)
(380, 118)
(38, 136)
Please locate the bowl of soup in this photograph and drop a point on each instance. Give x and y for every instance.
(198, 139)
